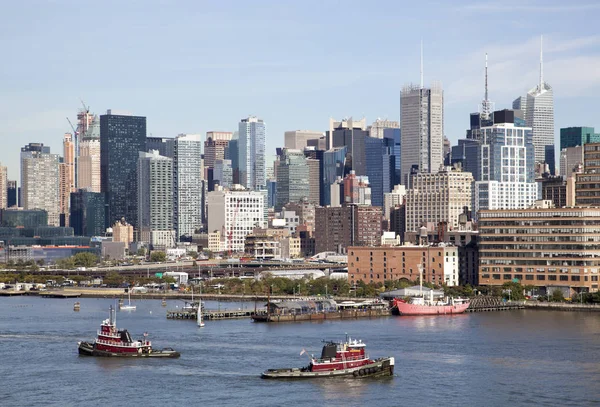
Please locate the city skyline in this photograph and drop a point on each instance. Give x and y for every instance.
(196, 86)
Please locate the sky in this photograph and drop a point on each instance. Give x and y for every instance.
(198, 66)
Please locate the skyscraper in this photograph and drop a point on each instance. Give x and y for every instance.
(505, 176)
(11, 194)
(40, 180)
(66, 178)
(422, 124)
(3, 187)
(155, 198)
(298, 139)
(292, 178)
(540, 115)
(352, 134)
(377, 129)
(252, 146)
(187, 188)
(164, 145)
(122, 137)
(222, 173)
(87, 213)
(577, 136)
(88, 162)
(214, 149)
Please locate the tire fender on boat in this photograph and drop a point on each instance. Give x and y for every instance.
(354, 373)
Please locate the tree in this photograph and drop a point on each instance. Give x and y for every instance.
(141, 251)
(557, 296)
(85, 259)
(113, 279)
(158, 257)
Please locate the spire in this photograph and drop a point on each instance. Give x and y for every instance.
(421, 64)
(541, 63)
(486, 83)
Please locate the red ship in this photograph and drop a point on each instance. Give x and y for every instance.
(338, 359)
(420, 306)
(113, 342)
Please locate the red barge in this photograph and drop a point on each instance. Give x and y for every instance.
(338, 359)
(118, 343)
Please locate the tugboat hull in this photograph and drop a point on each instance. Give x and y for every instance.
(379, 368)
(88, 349)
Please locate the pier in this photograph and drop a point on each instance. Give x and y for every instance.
(485, 304)
(209, 314)
(59, 294)
(321, 316)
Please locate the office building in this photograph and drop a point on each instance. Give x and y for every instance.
(21, 218)
(393, 140)
(422, 123)
(155, 200)
(122, 232)
(505, 156)
(439, 263)
(587, 186)
(379, 158)
(11, 194)
(251, 153)
(337, 228)
(234, 214)
(332, 168)
(87, 213)
(377, 129)
(4, 187)
(314, 180)
(393, 199)
(540, 115)
(356, 190)
(577, 136)
(66, 178)
(298, 139)
(214, 147)
(352, 135)
(164, 145)
(292, 178)
(223, 173)
(88, 162)
(554, 248)
(571, 160)
(40, 181)
(560, 191)
(435, 198)
(122, 138)
(187, 188)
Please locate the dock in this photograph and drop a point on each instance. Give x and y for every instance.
(59, 294)
(487, 304)
(11, 293)
(321, 316)
(209, 314)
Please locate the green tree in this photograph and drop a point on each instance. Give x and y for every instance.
(193, 254)
(557, 296)
(158, 257)
(141, 251)
(515, 293)
(113, 278)
(85, 259)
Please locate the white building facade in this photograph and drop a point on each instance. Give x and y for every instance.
(187, 185)
(235, 214)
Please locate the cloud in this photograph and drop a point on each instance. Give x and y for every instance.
(514, 69)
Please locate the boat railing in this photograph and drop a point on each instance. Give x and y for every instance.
(342, 359)
(112, 335)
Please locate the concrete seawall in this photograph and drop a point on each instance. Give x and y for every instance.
(561, 306)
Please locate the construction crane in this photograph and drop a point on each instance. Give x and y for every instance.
(230, 235)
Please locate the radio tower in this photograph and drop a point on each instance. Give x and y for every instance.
(486, 105)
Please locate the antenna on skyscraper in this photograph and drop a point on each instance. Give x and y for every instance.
(421, 63)
(541, 63)
(486, 83)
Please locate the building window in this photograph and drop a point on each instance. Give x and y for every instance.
(575, 278)
(528, 277)
(496, 276)
(508, 276)
(540, 277)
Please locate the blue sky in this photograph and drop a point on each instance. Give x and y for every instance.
(196, 66)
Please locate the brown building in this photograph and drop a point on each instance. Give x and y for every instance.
(337, 228)
(561, 192)
(305, 211)
(380, 264)
(587, 186)
(550, 248)
(213, 150)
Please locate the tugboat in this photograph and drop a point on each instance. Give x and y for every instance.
(118, 343)
(338, 359)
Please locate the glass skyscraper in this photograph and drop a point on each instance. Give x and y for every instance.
(292, 178)
(122, 137)
(251, 153)
(332, 168)
(577, 136)
(187, 189)
(87, 213)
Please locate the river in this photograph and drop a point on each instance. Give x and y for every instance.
(510, 358)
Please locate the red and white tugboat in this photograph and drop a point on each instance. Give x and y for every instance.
(114, 342)
(338, 359)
